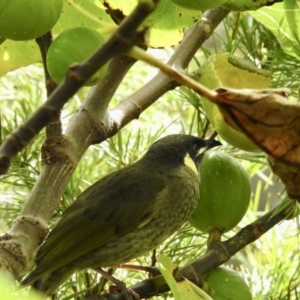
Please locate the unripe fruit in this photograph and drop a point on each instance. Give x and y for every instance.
(25, 20)
(227, 284)
(74, 46)
(225, 192)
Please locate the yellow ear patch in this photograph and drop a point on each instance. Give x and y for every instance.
(188, 161)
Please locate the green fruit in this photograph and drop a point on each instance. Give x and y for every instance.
(25, 20)
(227, 284)
(224, 70)
(74, 46)
(225, 192)
(198, 4)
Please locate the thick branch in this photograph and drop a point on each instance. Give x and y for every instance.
(62, 153)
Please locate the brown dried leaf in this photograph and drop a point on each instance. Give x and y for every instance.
(267, 118)
(289, 175)
(272, 123)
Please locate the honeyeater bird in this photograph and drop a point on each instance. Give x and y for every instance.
(125, 214)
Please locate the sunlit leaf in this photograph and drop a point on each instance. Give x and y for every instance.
(166, 23)
(283, 20)
(84, 13)
(183, 289)
(14, 55)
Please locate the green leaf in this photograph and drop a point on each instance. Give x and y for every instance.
(166, 23)
(84, 13)
(282, 19)
(14, 55)
(183, 289)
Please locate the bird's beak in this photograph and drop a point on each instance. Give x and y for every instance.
(209, 144)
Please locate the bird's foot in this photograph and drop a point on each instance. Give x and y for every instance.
(127, 292)
(119, 285)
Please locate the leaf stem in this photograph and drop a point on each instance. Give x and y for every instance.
(180, 77)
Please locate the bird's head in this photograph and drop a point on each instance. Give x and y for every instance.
(178, 149)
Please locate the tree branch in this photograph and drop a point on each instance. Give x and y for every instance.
(136, 103)
(61, 154)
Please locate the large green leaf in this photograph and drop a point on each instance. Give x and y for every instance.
(166, 23)
(15, 54)
(184, 289)
(283, 20)
(84, 13)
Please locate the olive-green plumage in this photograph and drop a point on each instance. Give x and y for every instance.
(125, 214)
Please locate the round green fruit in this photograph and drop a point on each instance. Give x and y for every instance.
(225, 192)
(227, 284)
(74, 46)
(198, 4)
(25, 20)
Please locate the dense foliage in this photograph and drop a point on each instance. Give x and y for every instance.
(133, 106)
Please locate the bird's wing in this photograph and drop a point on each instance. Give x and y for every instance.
(110, 208)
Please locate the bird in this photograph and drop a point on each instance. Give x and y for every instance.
(125, 214)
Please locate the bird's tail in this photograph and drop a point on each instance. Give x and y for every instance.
(48, 283)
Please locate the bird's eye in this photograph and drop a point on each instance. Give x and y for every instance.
(195, 148)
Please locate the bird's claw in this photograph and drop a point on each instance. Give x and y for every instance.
(128, 293)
